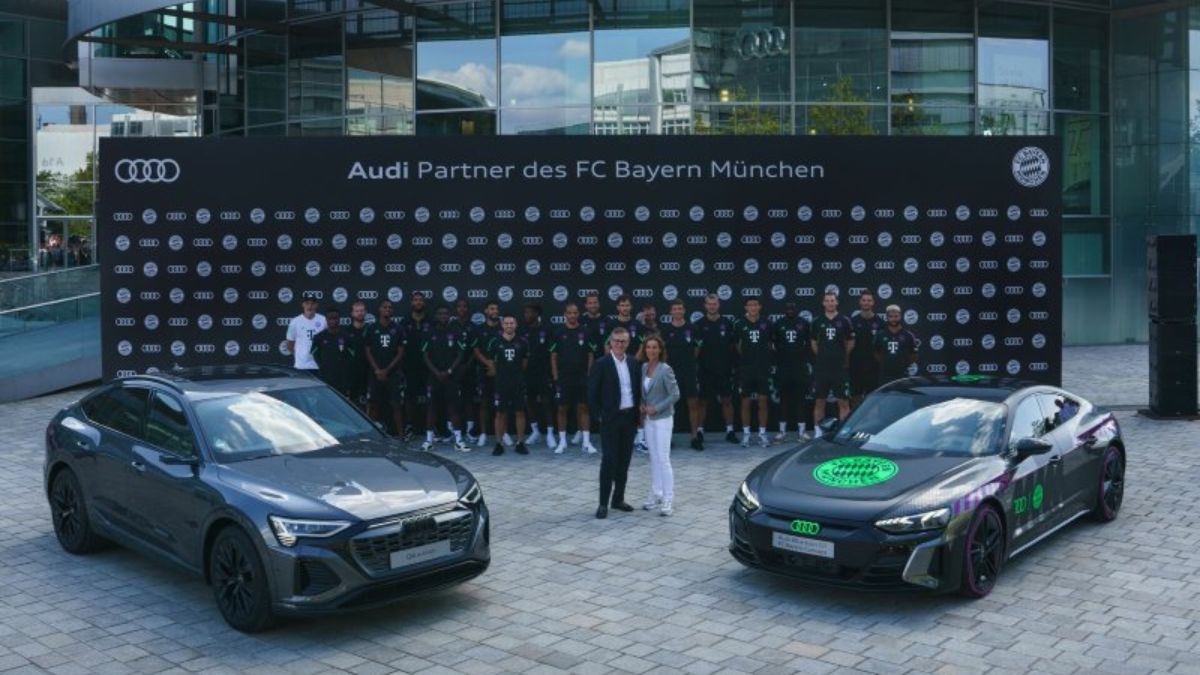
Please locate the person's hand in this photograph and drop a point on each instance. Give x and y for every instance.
(381, 375)
(443, 375)
(558, 392)
(491, 369)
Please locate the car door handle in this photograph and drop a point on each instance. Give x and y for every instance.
(139, 467)
(1056, 459)
(82, 444)
(1089, 441)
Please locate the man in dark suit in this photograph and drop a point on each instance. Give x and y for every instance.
(614, 395)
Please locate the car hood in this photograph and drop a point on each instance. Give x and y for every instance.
(368, 480)
(790, 483)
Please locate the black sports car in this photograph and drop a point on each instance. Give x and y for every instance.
(268, 484)
(931, 484)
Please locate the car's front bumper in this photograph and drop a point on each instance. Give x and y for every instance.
(864, 556)
(352, 572)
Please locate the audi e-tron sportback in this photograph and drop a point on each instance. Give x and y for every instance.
(931, 484)
(268, 484)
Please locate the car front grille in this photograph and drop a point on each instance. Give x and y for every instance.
(374, 553)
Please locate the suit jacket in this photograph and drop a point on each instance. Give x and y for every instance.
(664, 390)
(604, 387)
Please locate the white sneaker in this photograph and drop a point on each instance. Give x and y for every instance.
(746, 440)
(806, 436)
(652, 503)
(781, 437)
(507, 439)
(577, 437)
(642, 447)
(561, 447)
(589, 448)
(666, 508)
(533, 438)
(427, 446)
(765, 440)
(461, 447)
(482, 440)
(550, 442)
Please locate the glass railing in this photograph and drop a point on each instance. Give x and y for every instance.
(45, 315)
(46, 287)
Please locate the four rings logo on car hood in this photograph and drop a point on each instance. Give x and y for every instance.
(147, 170)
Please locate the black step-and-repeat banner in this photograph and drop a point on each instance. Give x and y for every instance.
(207, 244)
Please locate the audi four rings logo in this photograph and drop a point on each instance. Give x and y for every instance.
(761, 43)
(147, 171)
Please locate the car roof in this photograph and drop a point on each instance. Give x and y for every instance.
(201, 382)
(982, 387)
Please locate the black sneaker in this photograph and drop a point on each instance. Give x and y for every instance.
(498, 450)
(731, 437)
(697, 443)
(700, 435)
(521, 449)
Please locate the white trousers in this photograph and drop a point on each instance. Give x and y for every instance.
(658, 439)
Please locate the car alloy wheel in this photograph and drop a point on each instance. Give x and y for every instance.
(239, 582)
(1112, 486)
(71, 525)
(983, 552)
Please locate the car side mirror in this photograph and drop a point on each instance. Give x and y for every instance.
(829, 425)
(176, 460)
(1029, 446)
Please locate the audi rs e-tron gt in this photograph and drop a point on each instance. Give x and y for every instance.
(931, 484)
(269, 485)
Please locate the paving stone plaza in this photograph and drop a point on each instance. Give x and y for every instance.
(637, 592)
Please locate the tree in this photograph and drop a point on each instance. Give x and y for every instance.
(741, 120)
(71, 194)
(844, 119)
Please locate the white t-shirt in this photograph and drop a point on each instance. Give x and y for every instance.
(301, 331)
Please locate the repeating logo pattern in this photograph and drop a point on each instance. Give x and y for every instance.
(222, 271)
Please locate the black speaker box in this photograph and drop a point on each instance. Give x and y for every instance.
(1173, 368)
(1171, 272)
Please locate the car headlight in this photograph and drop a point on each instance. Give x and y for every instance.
(472, 496)
(288, 530)
(746, 498)
(917, 522)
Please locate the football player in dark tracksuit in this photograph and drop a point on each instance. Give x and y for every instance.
(468, 380)
(442, 350)
(479, 341)
(415, 375)
(360, 370)
(507, 356)
(895, 347)
(754, 368)
(570, 361)
(682, 344)
(539, 386)
(793, 354)
(385, 347)
(599, 325)
(832, 342)
(335, 352)
(715, 361)
(864, 369)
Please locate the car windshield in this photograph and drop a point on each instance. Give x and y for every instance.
(920, 423)
(289, 421)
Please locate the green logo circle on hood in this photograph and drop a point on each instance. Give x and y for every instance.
(855, 472)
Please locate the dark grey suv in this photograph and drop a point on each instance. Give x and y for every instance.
(266, 482)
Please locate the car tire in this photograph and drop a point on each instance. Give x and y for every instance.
(68, 511)
(983, 552)
(1111, 489)
(239, 582)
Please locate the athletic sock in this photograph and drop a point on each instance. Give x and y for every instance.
(429, 436)
(562, 438)
(745, 431)
(535, 428)
(587, 438)
(728, 428)
(549, 432)
(762, 431)
(783, 427)
(458, 436)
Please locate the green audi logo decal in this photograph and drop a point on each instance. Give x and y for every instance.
(855, 472)
(1038, 496)
(806, 527)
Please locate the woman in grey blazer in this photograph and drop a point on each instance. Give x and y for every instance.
(660, 391)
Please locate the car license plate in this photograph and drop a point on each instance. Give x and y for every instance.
(787, 542)
(420, 554)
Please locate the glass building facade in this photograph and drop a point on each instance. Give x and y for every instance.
(1119, 82)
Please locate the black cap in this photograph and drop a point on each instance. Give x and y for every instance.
(308, 295)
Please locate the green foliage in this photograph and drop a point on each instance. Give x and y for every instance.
(71, 193)
(842, 119)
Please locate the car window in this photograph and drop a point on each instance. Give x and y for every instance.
(903, 422)
(119, 408)
(1059, 408)
(1028, 421)
(167, 426)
